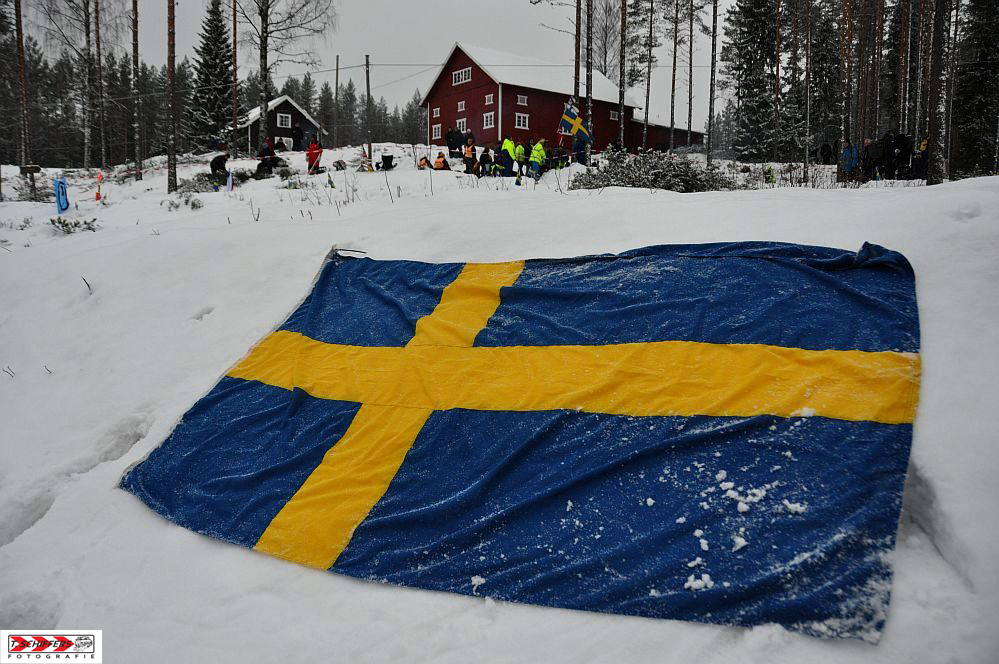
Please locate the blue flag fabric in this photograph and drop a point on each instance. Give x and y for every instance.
(572, 124)
(717, 433)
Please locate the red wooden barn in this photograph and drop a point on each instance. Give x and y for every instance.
(494, 93)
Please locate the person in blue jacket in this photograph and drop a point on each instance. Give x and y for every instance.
(849, 160)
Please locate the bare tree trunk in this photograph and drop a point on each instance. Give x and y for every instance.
(23, 146)
(937, 102)
(265, 77)
(879, 55)
(903, 66)
(233, 139)
(648, 74)
(171, 98)
(690, 73)
(579, 32)
(711, 94)
(136, 102)
(777, 55)
(101, 116)
(920, 66)
(621, 83)
(808, 89)
(953, 77)
(589, 78)
(849, 127)
(88, 89)
(672, 89)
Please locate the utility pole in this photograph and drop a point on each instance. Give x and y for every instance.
(22, 90)
(621, 82)
(336, 102)
(711, 99)
(648, 73)
(235, 87)
(101, 116)
(136, 103)
(171, 98)
(367, 87)
(579, 32)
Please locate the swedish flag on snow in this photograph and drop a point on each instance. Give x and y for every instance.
(571, 123)
(716, 433)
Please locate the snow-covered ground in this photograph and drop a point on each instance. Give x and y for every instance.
(96, 376)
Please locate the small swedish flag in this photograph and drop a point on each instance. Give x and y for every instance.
(571, 123)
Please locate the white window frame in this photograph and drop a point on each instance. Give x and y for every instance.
(286, 117)
(461, 76)
(461, 105)
(521, 100)
(437, 111)
(461, 125)
(614, 115)
(521, 121)
(489, 100)
(435, 132)
(489, 120)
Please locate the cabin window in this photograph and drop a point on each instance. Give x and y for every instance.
(437, 111)
(461, 106)
(461, 76)
(284, 120)
(461, 125)
(489, 100)
(488, 120)
(613, 115)
(520, 121)
(435, 131)
(521, 100)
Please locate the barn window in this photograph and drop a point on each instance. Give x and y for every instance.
(489, 100)
(461, 76)
(284, 120)
(435, 131)
(520, 121)
(488, 120)
(613, 115)
(521, 100)
(437, 111)
(461, 124)
(461, 106)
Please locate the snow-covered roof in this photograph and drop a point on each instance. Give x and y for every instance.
(254, 113)
(514, 69)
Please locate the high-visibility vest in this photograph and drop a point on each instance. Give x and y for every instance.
(470, 151)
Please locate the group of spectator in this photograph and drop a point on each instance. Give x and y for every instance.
(892, 157)
(510, 158)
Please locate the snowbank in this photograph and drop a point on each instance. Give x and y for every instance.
(102, 371)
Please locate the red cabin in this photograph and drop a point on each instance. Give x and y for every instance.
(494, 93)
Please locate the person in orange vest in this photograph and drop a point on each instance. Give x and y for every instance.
(440, 164)
(312, 155)
(470, 156)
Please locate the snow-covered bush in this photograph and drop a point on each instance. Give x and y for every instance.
(200, 183)
(652, 170)
(70, 226)
(43, 193)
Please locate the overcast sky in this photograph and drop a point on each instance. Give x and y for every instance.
(420, 34)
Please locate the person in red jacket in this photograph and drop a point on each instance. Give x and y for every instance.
(312, 155)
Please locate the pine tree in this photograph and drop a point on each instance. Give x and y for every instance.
(211, 105)
(749, 59)
(292, 87)
(325, 111)
(976, 98)
(307, 94)
(348, 131)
